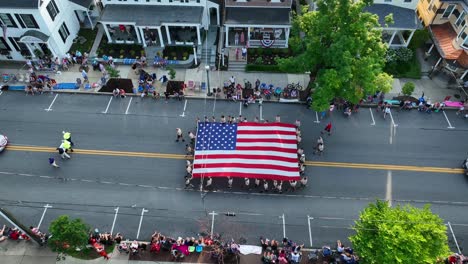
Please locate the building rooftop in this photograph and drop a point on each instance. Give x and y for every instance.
(152, 15)
(259, 3)
(84, 3)
(19, 3)
(403, 18)
(257, 16)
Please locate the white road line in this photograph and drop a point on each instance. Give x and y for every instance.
(388, 189)
(446, 118)
(212, 223)
(372, 116)
(115, 218)
(454, 238)
(1, 92)
(214, 106)
(391, 116)
(240, 108)
(143, 211)
(284, 225)
(128, 106)
(185, 107)
(51, 104)
(47, 206)
(310, 230)
(261, 112)
(316, 117)
(108, 104)
(391, 135)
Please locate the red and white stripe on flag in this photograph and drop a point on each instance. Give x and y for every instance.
(262, 150)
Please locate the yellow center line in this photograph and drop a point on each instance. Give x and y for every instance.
(180, 156)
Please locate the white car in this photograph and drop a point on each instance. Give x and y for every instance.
(3, 142)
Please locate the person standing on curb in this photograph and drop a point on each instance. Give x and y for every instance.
(179, 135)
(67, 137)
(53, 163)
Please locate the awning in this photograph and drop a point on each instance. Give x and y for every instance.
(443, 36)
(403, 18)
(83, 3)
(257, 16)
(34, 36)
(152, 15)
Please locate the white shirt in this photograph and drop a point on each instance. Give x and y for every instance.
(232, 79)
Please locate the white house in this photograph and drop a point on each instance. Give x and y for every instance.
(158, 22)
(399, 33)
(257, 23)
(45, 25)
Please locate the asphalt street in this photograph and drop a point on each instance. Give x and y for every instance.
(127, 158)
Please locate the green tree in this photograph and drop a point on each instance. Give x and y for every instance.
(401, 234)
(383, 82)
(113, 72)
(68, 234)
(341, 47)
(408, 88)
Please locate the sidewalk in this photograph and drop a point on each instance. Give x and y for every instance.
(21, 252)
(435, 89)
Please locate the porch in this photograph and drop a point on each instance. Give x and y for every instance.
(257, 27)
(256, 37)
(405, 22)
(88, 12)
(153, 25)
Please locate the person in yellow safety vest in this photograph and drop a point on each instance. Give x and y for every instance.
(66, 145)
(67, 137)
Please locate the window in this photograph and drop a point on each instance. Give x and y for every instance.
(465, 42)
(52, 9)
(64, 33)
(407, 1)
(26, 21)
(460, 19)
(7, 20)
(448, 11)
(4, 48)
(19, 46)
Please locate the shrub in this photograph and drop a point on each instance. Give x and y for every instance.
(122, 51)
(408, 88)
(259, 51)
(172, 73)
(251, 51)
(132, 53)
(258, 61)
(419, 38)
(268, 51)
(399, 55)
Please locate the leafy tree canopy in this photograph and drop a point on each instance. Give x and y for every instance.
(68, 233)
(342, 46)
(401, 234)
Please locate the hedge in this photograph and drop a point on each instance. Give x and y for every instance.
(264, 68)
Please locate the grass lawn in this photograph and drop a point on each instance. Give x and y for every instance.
(410, 69)
(89, 35)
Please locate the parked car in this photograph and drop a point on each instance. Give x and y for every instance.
(3, 142)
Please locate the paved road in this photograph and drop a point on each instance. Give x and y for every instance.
(132, 177)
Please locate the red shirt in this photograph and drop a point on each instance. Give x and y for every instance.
(14, 235)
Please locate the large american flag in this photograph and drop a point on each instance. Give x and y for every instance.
(246, 150)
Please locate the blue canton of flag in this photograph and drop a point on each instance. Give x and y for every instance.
(216, 136)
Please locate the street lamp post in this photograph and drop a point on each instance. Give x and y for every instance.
(195, 54)
(207, 68)
(222, 55)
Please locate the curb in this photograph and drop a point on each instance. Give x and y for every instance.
(365, 105)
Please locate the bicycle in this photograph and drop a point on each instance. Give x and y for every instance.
(296, 86)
